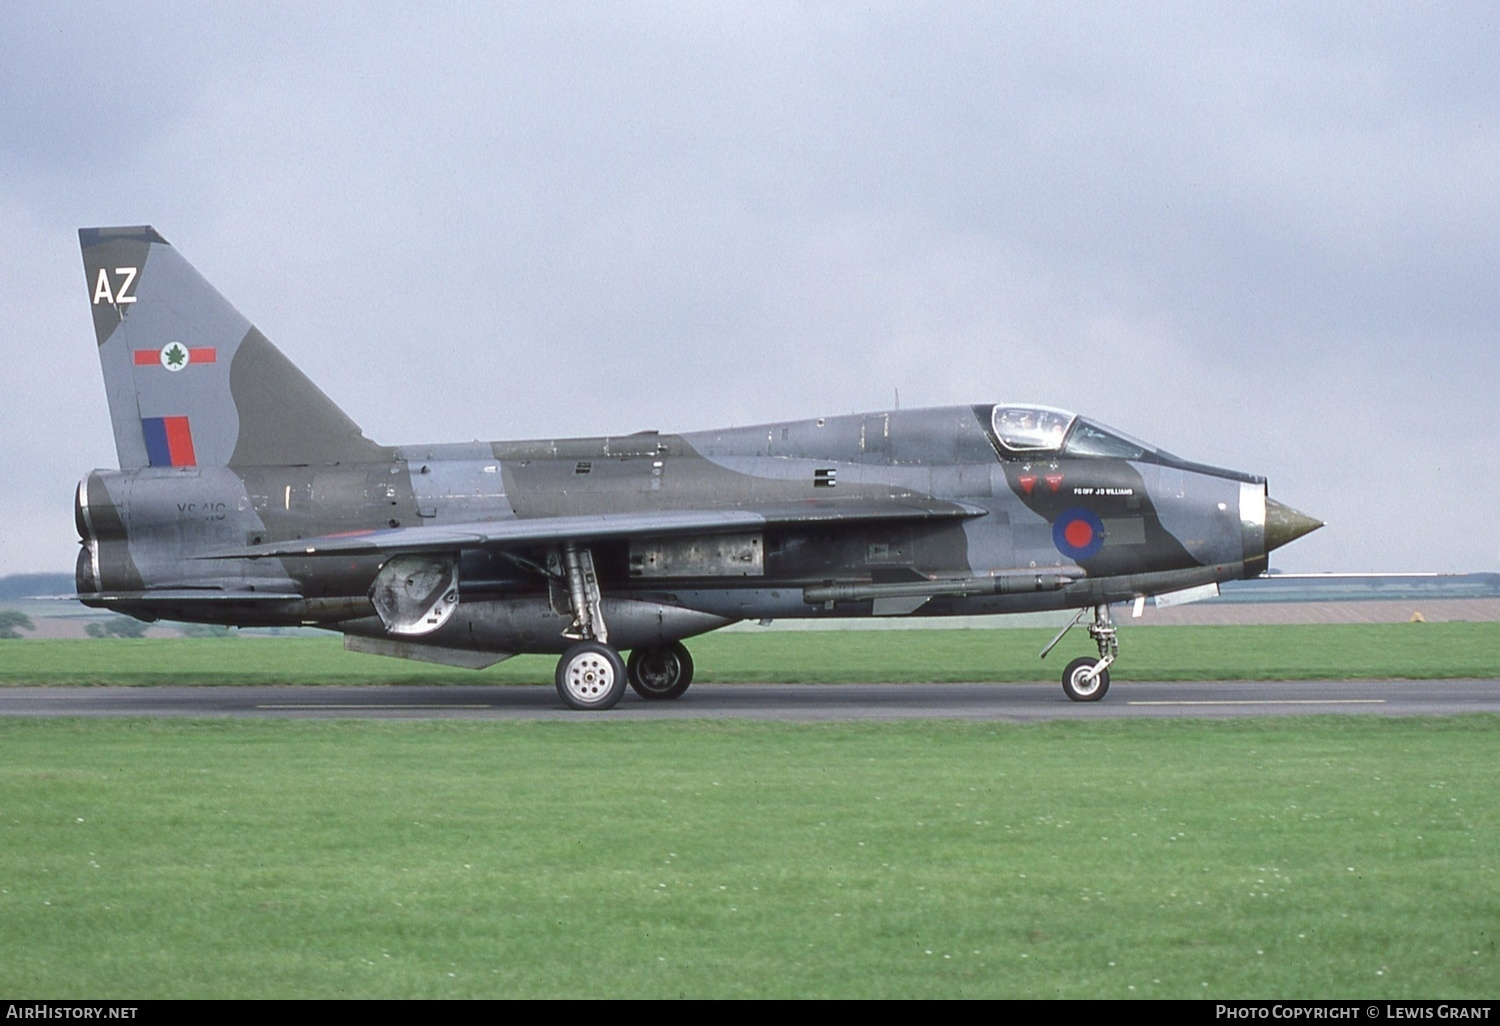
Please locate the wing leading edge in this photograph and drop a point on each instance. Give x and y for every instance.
(507, 533)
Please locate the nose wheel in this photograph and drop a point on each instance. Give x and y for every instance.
(1083, 681)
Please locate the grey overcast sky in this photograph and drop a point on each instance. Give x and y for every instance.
(1260, 235)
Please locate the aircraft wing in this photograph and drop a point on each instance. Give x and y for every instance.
(501, 534)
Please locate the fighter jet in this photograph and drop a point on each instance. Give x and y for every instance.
(246, 497)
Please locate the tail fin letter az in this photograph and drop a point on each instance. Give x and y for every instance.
(190, 381)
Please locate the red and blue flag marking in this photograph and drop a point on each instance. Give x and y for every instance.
(1078, 533)
(169, 441)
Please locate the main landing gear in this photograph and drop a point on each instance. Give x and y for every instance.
(660, 672)
(1085, 679)
(591, 675)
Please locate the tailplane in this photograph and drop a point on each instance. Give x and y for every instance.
(190, 381)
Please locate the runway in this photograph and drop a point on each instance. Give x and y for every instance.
(1016, 703)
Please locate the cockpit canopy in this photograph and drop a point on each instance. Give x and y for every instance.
(1046, 430)
(1031, 428)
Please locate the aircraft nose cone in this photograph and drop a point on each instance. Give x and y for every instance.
(1284, 524)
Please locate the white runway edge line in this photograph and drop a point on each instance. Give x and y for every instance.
(1270, 701)
(367, 705)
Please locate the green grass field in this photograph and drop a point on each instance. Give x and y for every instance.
(1313, 857)
(1418, 651)
(1319, 857)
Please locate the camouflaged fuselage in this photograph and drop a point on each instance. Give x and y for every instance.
(1164, 526)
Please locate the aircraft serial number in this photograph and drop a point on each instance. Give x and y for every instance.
(201, 510)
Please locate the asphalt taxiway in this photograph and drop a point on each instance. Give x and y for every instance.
(1019, 703)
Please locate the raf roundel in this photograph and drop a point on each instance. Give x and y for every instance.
(1078, 534)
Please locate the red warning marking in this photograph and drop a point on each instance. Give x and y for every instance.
(1054, 481)
(1079, 534)
(1027, 482)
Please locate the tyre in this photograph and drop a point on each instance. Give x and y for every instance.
(1076, 683)
(590, 676)
(660, 672)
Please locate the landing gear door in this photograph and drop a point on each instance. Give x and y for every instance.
(416, 594)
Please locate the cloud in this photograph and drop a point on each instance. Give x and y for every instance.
(1259, 237)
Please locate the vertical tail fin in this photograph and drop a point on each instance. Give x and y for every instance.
(190, 381)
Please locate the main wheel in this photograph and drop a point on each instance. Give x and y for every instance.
(1078, 686)
(660, 672)
(590, 675)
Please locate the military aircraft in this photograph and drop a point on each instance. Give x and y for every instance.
(245, 496)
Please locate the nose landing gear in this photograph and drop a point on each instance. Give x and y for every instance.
(1085, 679)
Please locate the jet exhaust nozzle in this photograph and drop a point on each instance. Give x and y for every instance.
(1284, 524)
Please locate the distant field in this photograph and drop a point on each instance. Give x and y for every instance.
(1353, 857)
(1421, 650)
